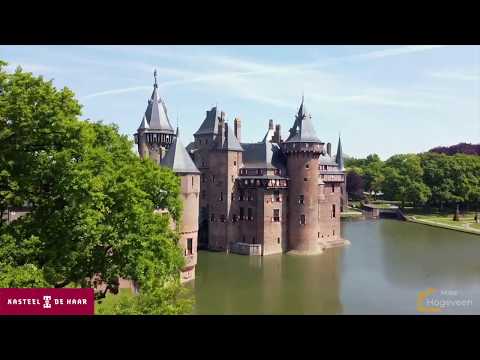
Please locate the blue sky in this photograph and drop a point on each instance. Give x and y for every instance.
(383, 99)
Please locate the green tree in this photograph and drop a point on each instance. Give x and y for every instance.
(404, 179)
(91, 199)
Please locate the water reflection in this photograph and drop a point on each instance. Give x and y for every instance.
(381, 272)
(276, 284)
(417, 256)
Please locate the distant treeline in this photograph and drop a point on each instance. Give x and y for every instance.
(432, 178)
(462, 148)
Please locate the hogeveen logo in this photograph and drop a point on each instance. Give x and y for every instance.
(47, 301)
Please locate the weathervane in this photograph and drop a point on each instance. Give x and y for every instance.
(155, 76)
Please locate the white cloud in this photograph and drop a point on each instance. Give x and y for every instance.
(273, 84)
(409, 49)
(461, 75)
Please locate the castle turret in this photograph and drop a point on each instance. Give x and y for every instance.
(155, 133)
(303, 149)
(180, 162)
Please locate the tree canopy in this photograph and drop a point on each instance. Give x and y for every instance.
(429, 178)
(90, 198)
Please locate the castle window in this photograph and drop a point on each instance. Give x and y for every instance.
(318, 235)
(221, 196)
(276, 195)
(278, 240)
(222, 218)
(305, 179)
(301, 199)
(333, 232)
(213, 178)
(189, 246)
(242, 213)
(192, 181)
(276, 172)
(232, 179)
(307, 166)
(341, 190)
(241, 197)
(253, 240)
(203, 178)
(276, 215)
(302, 220)
(250, 214)
(203, 163)
(212, 217)
(333, 187)
(250, 196)
(333, 210)
(259, 171)
(234, 163)
(235, 218)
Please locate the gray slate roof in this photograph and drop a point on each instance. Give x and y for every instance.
(178, 159)
(327, 160)
(231, 142)
(303, 130)
(264, 155)
(339, 156)
(210, 124)
(156, 112)
(144, 124)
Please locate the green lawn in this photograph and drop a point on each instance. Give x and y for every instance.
(106, 305)
(466, 221)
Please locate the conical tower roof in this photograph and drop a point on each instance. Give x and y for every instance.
(303, 130)
(339, 156)
(178, 159)
(144, 124)
(156, 112)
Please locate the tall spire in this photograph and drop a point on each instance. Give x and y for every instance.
(339, 156)
(156, 112)
(302, 129)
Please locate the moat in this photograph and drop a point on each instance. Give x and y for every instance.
(382, 272)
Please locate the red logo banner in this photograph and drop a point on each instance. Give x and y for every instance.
(47, 301)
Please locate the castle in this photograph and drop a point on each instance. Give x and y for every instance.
(273, 196)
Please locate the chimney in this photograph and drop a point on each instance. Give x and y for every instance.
(221, 130)
(270, 124)
(276, 135)
(329, 149)
(237, 127)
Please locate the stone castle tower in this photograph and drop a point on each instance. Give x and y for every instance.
(155, 133)
(271, 196)
(157, 140)
(303, 150)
